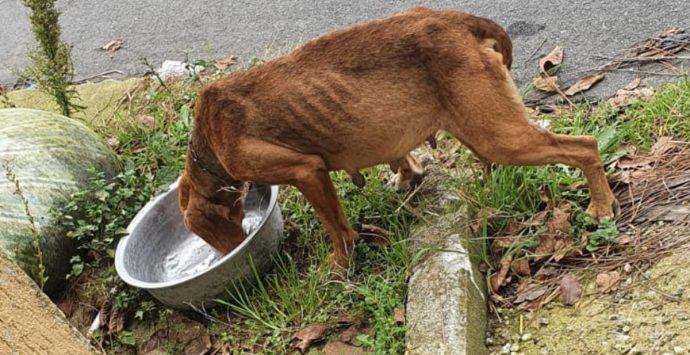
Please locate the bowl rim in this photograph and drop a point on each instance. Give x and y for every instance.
(148, 285)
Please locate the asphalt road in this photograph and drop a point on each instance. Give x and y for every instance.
(208, 29)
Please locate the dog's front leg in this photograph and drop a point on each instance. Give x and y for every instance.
(266, 163)
(317, 187)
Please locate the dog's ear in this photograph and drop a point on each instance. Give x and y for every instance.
(217, 224)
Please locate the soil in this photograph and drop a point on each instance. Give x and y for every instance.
(648, 314)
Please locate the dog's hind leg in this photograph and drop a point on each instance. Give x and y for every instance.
(265, 163)
(408, 172)
(501, 132)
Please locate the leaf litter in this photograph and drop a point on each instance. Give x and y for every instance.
(651, 188)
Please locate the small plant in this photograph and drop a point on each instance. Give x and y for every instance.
(38, 273)
(97, 215)
(5, 100)
(52, 67)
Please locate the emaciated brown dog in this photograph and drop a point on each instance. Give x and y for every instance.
(359, 97)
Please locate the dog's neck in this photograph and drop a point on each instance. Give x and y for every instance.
(206, 163)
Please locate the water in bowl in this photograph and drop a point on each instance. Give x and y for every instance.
(194, 255)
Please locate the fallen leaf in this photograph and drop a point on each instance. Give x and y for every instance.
(375, 235)
(633, 84)
(483, 267)
(608, 281)
(113, 45)
(339, 348)
(624, 240)
(523, 283)
(545, 273)
(531, 293)
(538, 219)
(551, 60)
(113, 142)
(584, 84)
(529, 306)
(546, 246)
(521, 267)
(497, 279)
(570, 289)
(546, 84)
(565, 249)
(148, 121)
(348, 334)
(303, 338)
(155, 341)
(104, 313)
(560, 222)
(662, 146)
(225, 63)
(198, 346)
(116, 322)
(626, 97)
(399, 315)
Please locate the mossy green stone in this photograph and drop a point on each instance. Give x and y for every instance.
(51, 156)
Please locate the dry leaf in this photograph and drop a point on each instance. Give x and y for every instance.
(497, 279)
(608, 281)
(375, 235)
(662, 146)
(545, 247)
(633, 84)
(304, 337)
(156, 340)
(104, 313)
(560, 222)
(626, 97)
(584, 84)
(624, 240)
(148, 121)
(399, 315)
(113, 45)
(198, 346)
(348, 334)
(551, 60)
(113, 142)
(521, 267)
(538, 219)
(570, 289)
(339, 348)
(545, 273)
(531, 293)
(225, 63)
(116, 322)
(546, 84)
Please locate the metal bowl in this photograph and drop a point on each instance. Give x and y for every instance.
(178, 268)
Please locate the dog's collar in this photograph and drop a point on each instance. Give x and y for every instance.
(225, 186)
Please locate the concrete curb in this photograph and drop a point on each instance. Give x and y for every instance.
(446, 307)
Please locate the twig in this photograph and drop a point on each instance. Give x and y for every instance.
(99, 75)
(155, 73)
(642, 59)
(634, 71)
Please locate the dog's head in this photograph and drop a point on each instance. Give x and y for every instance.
(211, 209)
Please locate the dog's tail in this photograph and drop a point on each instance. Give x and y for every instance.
(483, 28)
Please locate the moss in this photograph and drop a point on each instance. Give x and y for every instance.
(99, 99)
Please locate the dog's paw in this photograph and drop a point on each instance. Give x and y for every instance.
(602, 211)
(338, 265)
(401, 183)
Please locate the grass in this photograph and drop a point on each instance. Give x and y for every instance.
(150, 125)
(149, 129)
(520, 192)
(300, 292)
